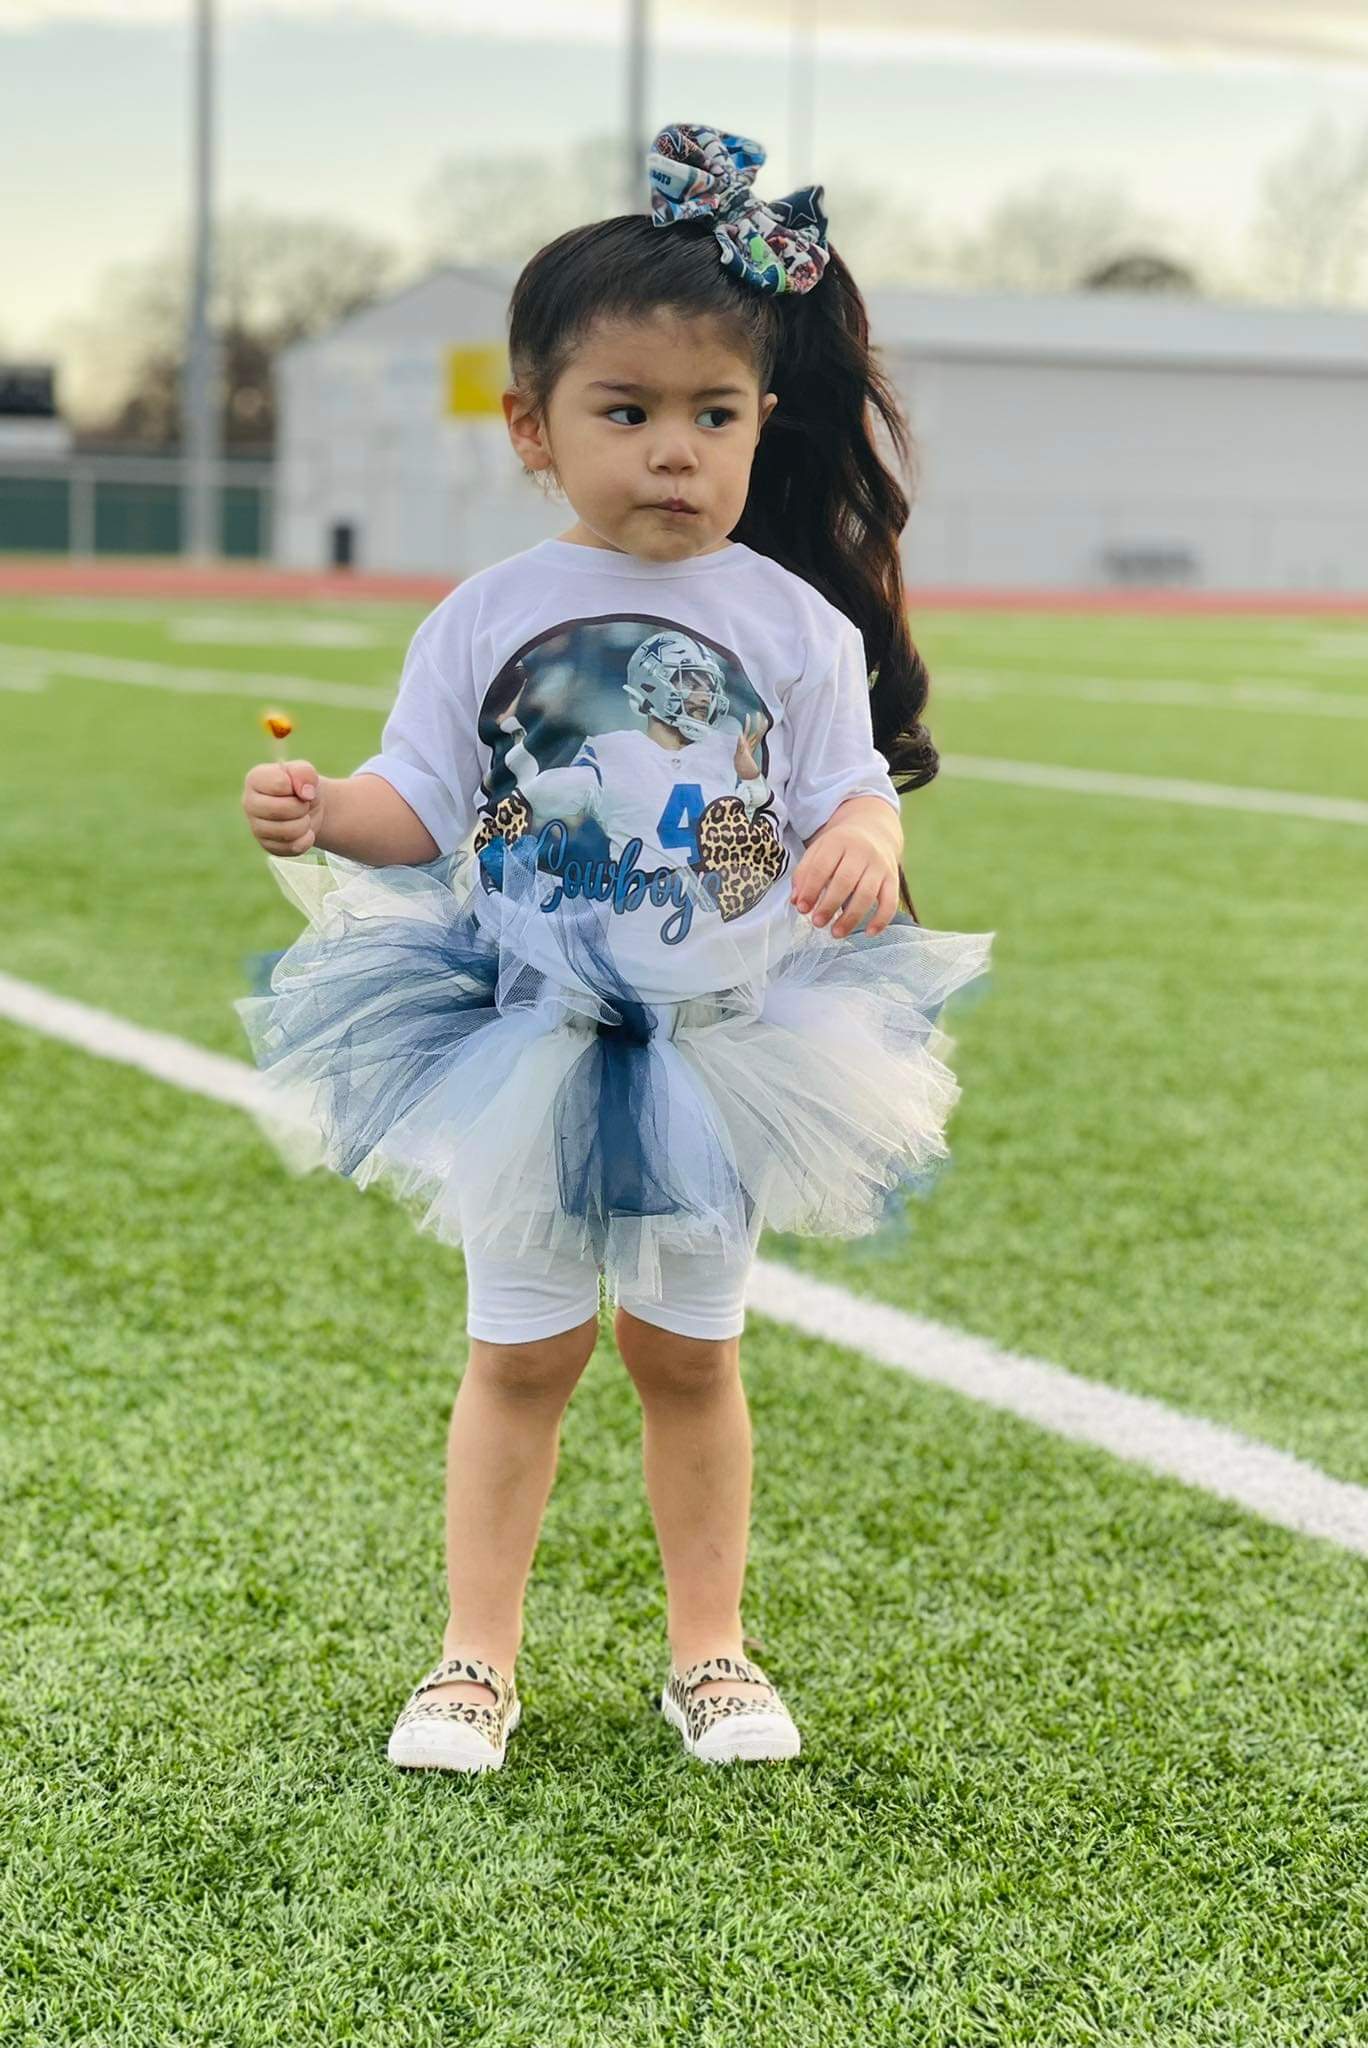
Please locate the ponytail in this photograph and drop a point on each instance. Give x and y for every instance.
(823, 503)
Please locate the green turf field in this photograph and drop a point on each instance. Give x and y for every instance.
(1084, 1749)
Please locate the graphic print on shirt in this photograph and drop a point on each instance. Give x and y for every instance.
(634, 751)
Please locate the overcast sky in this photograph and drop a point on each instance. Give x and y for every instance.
(348, 110)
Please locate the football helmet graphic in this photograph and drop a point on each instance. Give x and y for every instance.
(665, 671)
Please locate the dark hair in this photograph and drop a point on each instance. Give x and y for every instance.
(822, 502)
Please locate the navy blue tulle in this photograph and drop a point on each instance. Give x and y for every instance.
(613, 1154)
(548, 1109)
(333, 994)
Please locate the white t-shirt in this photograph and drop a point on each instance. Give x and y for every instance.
(668, 734)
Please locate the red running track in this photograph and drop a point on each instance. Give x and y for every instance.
(256, 581)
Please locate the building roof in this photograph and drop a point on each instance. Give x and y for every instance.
(459, 302)
(437, 306)
(1115, 326)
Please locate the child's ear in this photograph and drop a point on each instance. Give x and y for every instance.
(525, 430)
(767, 405)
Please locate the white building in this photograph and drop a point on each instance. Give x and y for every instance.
(374, 466)
(1069, 442)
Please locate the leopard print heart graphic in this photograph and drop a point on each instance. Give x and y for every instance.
(744, 852)
(508, 819)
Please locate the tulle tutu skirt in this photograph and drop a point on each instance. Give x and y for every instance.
(418, 1035)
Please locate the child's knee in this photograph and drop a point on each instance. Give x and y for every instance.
(535, 1368)
(666, 1362)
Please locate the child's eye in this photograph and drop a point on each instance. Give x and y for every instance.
(726, 411)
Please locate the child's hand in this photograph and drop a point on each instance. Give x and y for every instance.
(849, 868)
(747, 767)
(283, 802)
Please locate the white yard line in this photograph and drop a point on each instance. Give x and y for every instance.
(1238, 696)
(1132, 1427)
(158, 1053)
(234, 630)
(29, 666)
(32, 665)
(25, 668)
(1343, 810)
(1261, 639)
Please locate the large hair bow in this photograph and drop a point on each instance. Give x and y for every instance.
(776, 245)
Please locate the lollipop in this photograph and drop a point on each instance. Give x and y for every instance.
(279, 725)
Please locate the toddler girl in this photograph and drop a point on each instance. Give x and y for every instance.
(605, 968)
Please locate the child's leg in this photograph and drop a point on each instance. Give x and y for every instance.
(696, 1453)
(502, 1448)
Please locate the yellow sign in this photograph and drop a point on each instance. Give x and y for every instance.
(475, 376)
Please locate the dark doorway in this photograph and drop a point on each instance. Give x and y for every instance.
(343, 537)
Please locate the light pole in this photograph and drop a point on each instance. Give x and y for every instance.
(636, 136)
(199, 388)
(803, 95)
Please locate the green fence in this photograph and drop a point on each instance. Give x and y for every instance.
(34, 513)
(42, 515)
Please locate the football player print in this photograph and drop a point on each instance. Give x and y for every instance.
(636, 755)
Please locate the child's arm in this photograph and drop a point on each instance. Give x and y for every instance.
(409, 802)
(841, 799)
(291, 807)
(871, 814)
(366, 819)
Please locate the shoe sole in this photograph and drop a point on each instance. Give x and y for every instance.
(459, 1747)
(739, 1738)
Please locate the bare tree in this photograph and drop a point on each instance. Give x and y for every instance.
(1142, 270)
(479, 208)
(280, 278)
(1052, 236)
(1059, 235)
(1310, 234)
(885, 238)
(483, 208)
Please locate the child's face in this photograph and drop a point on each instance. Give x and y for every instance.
(688, 431)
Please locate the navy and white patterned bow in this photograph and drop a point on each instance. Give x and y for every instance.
(775, 245)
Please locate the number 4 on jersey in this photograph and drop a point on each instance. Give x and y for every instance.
(678, 825)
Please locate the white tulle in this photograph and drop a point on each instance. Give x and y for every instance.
(407, 1021)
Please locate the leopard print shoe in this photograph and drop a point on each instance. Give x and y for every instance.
(447, 1734)
(733, 1727)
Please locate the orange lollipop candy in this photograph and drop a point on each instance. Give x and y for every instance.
(279, 725)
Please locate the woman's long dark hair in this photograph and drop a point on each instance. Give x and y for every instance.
(822, 502)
